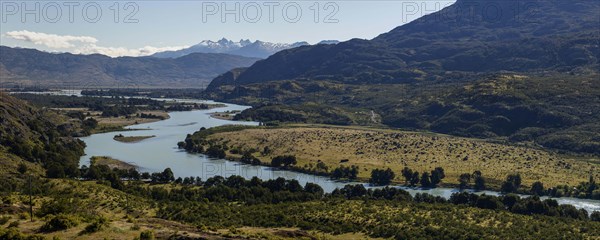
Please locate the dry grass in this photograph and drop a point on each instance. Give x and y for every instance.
(99, 200)
(111, 162)
(131, 120)
(370, 149)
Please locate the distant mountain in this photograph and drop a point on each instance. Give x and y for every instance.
(329, 42)
(36, 68)
(544, 35)
(256, 49)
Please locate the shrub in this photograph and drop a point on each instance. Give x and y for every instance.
(96, 225)
(59, 222)
(147, 235)
(4, 220)
(135, 227)
(14, 224)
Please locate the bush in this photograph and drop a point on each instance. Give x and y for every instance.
(96, 225)
(60, 222)
(135, 227)
(4, 220)
(14, 224)
(147, 235)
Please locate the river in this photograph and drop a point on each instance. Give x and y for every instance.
(157, 153)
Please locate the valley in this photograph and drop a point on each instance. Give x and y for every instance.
(451, 124)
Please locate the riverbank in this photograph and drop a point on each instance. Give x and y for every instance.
(374, 148)
(111, 163)
(320, 150)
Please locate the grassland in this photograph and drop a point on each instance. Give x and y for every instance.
(379, 148)
(127, 215)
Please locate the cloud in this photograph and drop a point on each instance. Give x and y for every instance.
(50, 40)
(121, 51)
(84, 44)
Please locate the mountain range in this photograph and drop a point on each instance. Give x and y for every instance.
(246, 48)
(529, 73)
(29, 67)
(546, 35)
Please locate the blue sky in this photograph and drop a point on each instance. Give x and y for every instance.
(163, 25)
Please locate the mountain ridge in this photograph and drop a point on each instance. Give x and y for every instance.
(244, 47)
(554, 36)
(30, 67)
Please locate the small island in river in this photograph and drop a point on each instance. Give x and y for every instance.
(131, 139)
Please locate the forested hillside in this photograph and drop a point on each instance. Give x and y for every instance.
(530, 75)
(30, 136)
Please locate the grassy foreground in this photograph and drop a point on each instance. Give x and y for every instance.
(91, 210)
(379, 148)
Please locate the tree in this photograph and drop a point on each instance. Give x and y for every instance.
(22, 168)
(591, 185)
(353, 172)
(345, 172)
(488, 202)
(407, 173)
(167, 176)
(284, 161)
(337, 173)
(425, 180)
(595, 216)
(414, 180)
(537, 188)
(382, 177)
(464, 180)
(145, 175)
(479, 181)
(436, 176)
(512, 183)
(314, 189)
(249, 159)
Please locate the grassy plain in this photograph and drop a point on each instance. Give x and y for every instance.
(382, 148)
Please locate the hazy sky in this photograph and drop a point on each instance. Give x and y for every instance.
(136, 28)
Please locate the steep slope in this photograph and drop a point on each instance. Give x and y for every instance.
(467, 37)
(38, 137)
(528, 76)
(32, 67)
